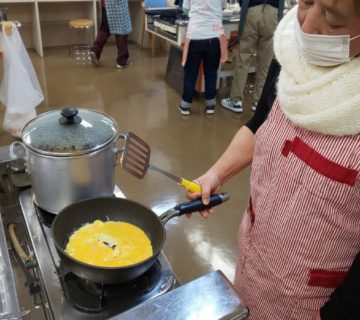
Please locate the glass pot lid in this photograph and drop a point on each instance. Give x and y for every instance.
(69, 131)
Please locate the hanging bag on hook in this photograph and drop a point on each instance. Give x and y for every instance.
(20, 90)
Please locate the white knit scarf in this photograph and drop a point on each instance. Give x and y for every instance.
(321, 99)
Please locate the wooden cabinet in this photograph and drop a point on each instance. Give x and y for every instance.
(25, 11)
(45, 22)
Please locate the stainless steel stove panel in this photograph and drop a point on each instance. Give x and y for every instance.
(9, 303)
(49, 265)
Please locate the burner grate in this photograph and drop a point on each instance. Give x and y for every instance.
(88, 296)
(44, 216)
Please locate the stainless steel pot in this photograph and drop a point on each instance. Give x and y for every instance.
(70, 156)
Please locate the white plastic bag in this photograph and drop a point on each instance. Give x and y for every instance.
(20, 90)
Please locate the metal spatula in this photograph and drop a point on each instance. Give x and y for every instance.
(135, 159)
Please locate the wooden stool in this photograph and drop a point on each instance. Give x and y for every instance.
(81, 23)
(81, 51)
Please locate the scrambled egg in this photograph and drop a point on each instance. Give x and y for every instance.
(109, 244)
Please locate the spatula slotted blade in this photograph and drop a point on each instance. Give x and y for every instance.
(136, 156)
(136, 160)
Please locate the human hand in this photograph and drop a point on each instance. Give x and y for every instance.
(8, 25)
(317, 316)
(210, 183)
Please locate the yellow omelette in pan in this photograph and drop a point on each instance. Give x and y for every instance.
(109, 244)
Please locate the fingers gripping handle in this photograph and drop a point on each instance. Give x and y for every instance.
(191, 186)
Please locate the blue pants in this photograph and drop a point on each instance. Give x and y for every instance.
(208, 51)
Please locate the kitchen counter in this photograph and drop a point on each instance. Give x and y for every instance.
(175, 33)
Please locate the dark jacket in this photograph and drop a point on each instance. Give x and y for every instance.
(253, 3)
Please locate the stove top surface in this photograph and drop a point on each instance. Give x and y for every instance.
(73, 298)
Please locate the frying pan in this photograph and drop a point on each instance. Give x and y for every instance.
(78, 214)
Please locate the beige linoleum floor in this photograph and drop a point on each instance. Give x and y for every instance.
(139, 99)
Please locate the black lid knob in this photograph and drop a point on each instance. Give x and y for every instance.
(69, 116)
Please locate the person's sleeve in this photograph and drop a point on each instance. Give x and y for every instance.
(267, 98)
(344, 302)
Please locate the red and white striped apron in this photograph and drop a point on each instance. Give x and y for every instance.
(301, 230)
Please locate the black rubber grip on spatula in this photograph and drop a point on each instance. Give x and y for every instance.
(197, 205)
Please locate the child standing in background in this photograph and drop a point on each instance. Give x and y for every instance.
(205, 41)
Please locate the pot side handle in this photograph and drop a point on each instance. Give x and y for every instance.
(17, 150)
(118, 151)
(193, 206)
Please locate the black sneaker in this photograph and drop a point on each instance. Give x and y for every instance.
(210, 110)
(94, 60)
(184, 111)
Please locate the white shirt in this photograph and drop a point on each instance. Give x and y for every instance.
(205, 18)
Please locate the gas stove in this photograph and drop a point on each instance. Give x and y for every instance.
(35, 285)
(70, 297)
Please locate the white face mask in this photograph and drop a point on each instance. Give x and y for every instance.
(323, 50)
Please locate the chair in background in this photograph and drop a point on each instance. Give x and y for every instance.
(81, 29)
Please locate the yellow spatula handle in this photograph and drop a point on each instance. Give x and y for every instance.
(190, 186)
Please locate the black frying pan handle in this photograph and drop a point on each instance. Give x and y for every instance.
(193, 206)
(197, 205)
